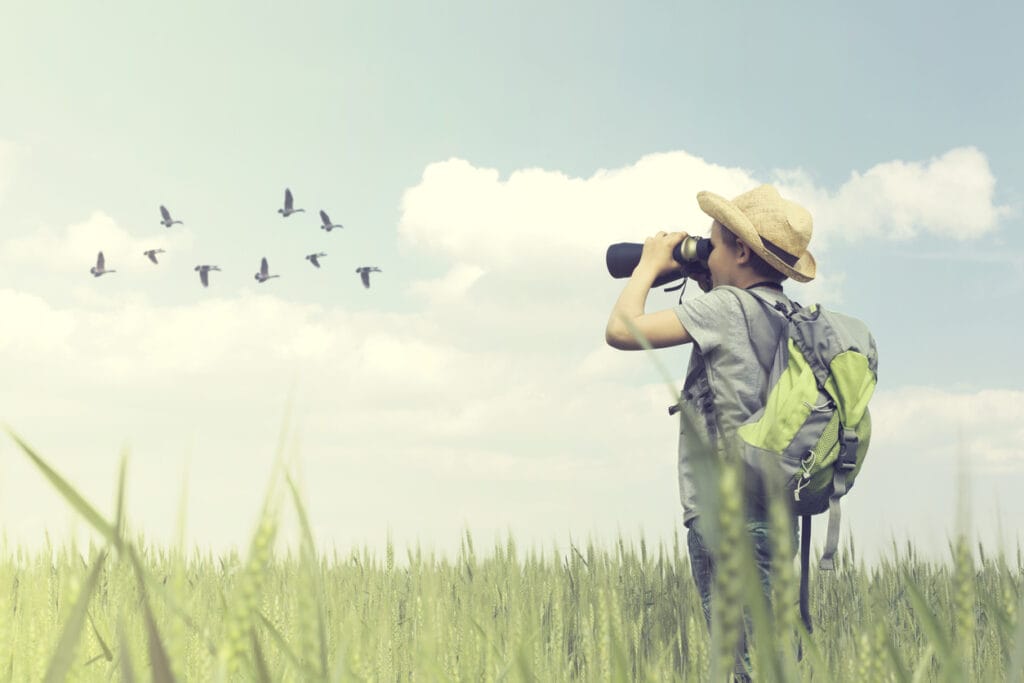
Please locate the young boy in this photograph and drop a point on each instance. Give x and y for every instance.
(758, 240)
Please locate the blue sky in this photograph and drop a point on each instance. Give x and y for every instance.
(483, 157)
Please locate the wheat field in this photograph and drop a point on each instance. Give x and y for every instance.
(126, 610)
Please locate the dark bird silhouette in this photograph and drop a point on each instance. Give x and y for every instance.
(312, 258)
(100, 267)
(151, 253)
(288, 202)
(264, 273)
(327, 224)
(167, 222)
(204, 271)
(364, 274)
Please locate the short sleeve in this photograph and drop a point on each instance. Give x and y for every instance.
(712, 318)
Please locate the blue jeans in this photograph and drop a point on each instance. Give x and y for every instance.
(702, 566)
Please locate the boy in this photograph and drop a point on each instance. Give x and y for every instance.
(758, 240)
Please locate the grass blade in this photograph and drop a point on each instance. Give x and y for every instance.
(282, 644)
(937, 635)
(898, 671)
(107, 653)
(119, 514)
(60, 663)
(70, 494)
(158, 659)
(124, 658)
(311, 564)
(262, 672)
(1015, 667)
(922, 665)
(245, 596)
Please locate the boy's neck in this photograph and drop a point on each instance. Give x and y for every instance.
(746, 279)
(766, 283)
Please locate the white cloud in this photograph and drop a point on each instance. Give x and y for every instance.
(35, 330)
(537, 215)
(606, 362)
(75, 249)
(395, 411)
(949, 196)
(472, 214)
(403, 359)
(402, 420)
(452, 286)
(985, 427)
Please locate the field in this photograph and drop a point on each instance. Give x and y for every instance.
(128, 611)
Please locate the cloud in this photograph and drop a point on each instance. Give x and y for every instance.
(395, 412)
(441, 380)
(950, 196)
(537, 215)
(64, 251)
(472, 214)
(39, 331)
(404, 420)
(986, 427)
(452, 286)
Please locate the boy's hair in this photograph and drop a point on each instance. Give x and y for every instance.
(759, 265)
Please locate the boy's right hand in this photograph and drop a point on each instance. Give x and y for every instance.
(657, 252)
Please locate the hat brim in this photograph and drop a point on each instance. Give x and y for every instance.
(726, 213)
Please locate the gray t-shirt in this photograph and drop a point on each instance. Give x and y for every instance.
(734, 341)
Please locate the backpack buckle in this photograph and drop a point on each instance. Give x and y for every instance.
(847, 459)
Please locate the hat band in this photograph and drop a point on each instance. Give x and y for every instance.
(786, 257)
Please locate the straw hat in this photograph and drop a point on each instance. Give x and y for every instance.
(777, 229)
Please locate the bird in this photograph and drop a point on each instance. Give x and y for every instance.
(99, 268)
(204, 273)
(364, 273)
(312, 258)
(288, 210)
(327, 225)
(263, 275)
(167, 222)
(151, 253)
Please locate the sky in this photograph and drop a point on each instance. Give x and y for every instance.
(484, 156)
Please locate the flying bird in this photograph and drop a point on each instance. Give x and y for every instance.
(167, 222)
(99, 268)
(326, 220)
(364, 273)
(204, 273)
(288, 210)
(151, 253)
(312, 258)
(264, 273)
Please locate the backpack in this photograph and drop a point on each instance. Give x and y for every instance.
(815, 426)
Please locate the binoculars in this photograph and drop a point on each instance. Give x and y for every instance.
(691, 254)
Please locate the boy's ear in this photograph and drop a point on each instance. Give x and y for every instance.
(743, 252)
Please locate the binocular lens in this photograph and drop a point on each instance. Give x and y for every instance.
(691, 254)
(696, 249)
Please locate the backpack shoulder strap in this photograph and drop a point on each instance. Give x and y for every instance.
(768, 354)
(805, 571)
(779, 307)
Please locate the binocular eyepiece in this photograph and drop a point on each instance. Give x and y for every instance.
(691, 254)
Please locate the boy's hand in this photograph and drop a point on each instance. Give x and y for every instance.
(657, 252)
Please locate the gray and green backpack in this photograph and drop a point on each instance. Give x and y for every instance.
(815, 426)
